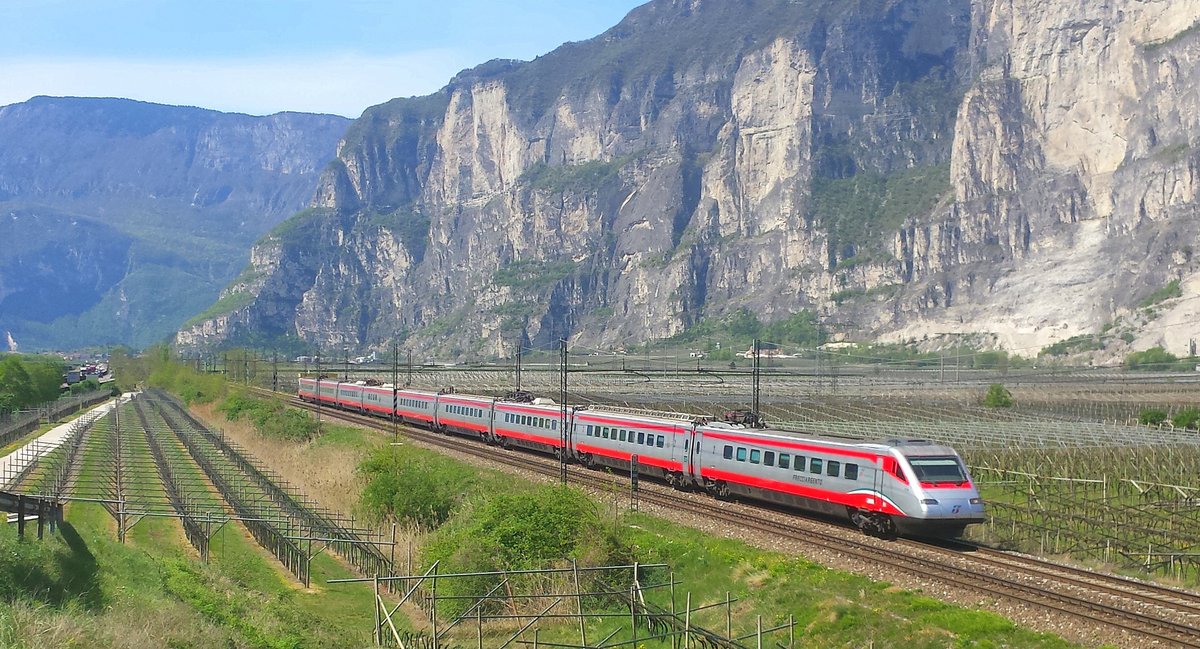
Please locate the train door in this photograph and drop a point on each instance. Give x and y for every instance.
(490, 434)
(570, 436)
(877, 479)
(692, 469)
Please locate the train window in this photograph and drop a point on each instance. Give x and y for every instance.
(755, 456)
(851, 471)
(661, 440)
(641, 437)
(741, 454)
(814, 466)
(650, 440)
(606, 432)
(622, 434)
(799, 463)
(769, 458)
(784, 460)
(833, 468)
(728, 454)
(554, 425)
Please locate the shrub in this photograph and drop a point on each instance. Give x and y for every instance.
(1188, 418)
(421, 490)
(1153, 359)
(1152, 417)
(271, 418)
(998, 397)
(1171, 290)
(526, 530)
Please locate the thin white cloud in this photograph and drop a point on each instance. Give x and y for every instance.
(342, 84)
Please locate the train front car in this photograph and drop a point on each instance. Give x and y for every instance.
(946, 498)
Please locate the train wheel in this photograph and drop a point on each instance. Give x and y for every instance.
(717, 489)
(676, 480)
(873, 523)
(587, 460)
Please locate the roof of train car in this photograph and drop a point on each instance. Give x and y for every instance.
(907, 447)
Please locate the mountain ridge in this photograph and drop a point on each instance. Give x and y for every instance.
(913, 162)
(186, 190)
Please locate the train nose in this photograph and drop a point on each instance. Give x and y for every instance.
(944, 505)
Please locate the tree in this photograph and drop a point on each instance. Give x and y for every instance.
(16, 383)
(998, 397)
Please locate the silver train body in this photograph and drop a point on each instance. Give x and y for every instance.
(911, 487)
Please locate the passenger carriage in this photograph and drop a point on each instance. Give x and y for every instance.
(377, 399)
(416, 407)
(464, 415)
(611, 439)
(529, 425)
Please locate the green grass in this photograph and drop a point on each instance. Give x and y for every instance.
(832, 609)
(90, 590)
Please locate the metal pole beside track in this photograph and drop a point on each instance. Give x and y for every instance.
(562, 405)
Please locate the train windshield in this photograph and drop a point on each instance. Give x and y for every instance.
(938, 471)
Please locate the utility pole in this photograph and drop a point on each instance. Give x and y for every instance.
(564, 439)
(756, 377)
(408, 381)
(395, 386)
(520, 348)
(275, 372)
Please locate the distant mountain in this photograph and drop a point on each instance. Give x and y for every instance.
(902, 169)
(121, 219)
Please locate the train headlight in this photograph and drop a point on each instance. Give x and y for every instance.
(928, 501)
(976, 501)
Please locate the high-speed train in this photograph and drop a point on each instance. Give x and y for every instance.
(912, 487)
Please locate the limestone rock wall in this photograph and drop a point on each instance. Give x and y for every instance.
(685, 164)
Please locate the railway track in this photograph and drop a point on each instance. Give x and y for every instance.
(1149, 612)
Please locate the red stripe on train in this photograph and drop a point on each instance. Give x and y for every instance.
(761, 442)
(858, 500)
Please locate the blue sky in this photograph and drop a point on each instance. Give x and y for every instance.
(265, 56)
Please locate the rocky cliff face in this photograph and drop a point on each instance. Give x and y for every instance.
(130, 217)
(902, 168)
(1074, 172)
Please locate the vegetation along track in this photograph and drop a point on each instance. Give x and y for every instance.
(1169, 617)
